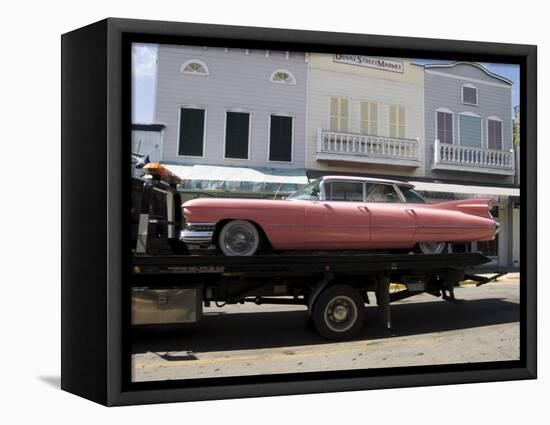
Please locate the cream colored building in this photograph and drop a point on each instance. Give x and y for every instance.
(365, 115)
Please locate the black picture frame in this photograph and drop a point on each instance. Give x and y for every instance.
(95, 160)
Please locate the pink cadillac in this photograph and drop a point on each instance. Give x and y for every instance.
(337, 213)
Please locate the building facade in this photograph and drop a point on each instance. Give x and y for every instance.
(365, 115)
(236, 107)
(468, 127)
(468, 123)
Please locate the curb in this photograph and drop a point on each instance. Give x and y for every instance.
(398, 286)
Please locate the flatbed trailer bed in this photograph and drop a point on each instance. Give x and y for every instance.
(312, 280)
(311, 263)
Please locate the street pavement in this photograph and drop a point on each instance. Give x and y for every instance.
(247, 339)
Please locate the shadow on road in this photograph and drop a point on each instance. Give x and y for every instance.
(293, 328)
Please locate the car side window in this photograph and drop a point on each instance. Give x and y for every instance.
(344, 191)
(382, 193)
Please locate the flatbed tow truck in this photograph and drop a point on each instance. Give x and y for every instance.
(170, 285)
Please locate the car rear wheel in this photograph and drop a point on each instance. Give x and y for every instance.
(339, 312)
(239, 238)
(433, 248)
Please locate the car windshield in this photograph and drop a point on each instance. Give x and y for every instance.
(309, 192)
(411, 195)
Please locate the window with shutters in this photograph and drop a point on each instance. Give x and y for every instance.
(237, 132)
(444, 122)
(339, 114)
(398, 127)
(369, 118)
(494, 133)
(194, 66)
(280, 138)
(191, 132)
(469, 94)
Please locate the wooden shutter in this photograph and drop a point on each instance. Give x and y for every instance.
(369, 118)
(280, 138)
(236, 135)
(397, 122)
(339, 114)
(191, 132)
(495, 134)
(445, 127)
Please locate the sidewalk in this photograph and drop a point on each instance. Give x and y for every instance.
(507, 278)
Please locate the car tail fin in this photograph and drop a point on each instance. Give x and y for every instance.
(479, 207)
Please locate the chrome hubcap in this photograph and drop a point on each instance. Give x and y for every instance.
(340, 314)
(239, 239)
(432, 247)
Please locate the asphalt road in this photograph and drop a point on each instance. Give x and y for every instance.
(251, 340)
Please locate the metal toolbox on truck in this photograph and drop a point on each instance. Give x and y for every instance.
(155, 306)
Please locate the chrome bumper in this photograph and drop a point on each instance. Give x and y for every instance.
(497, 228)
(198, 234)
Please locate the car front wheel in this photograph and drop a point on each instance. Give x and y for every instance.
(433, 248)
(239, 238)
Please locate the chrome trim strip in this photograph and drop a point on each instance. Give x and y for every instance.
(453, 227)
(388, 226)
(197, 237)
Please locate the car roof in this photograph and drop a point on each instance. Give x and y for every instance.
(367, 179)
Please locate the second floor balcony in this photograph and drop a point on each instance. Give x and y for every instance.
(473, 159)
(363, 148)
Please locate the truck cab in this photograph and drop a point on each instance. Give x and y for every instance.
(156, 219)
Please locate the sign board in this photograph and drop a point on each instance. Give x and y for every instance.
(370, 62)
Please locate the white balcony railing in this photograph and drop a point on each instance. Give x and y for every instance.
(466, 158)
(352, 147)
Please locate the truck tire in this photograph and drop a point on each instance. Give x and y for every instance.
(339, 312)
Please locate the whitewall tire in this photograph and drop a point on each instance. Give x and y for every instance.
(433, 248)
(239, 238)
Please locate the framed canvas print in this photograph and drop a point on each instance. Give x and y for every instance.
(252, 211)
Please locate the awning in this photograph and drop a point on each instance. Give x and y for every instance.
(466, 189)
(240, 179)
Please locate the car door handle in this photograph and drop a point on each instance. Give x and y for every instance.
(364, 209)
(410, 211)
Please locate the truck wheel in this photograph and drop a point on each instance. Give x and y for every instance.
(339, 312)
(239, 238)
(433, 248)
